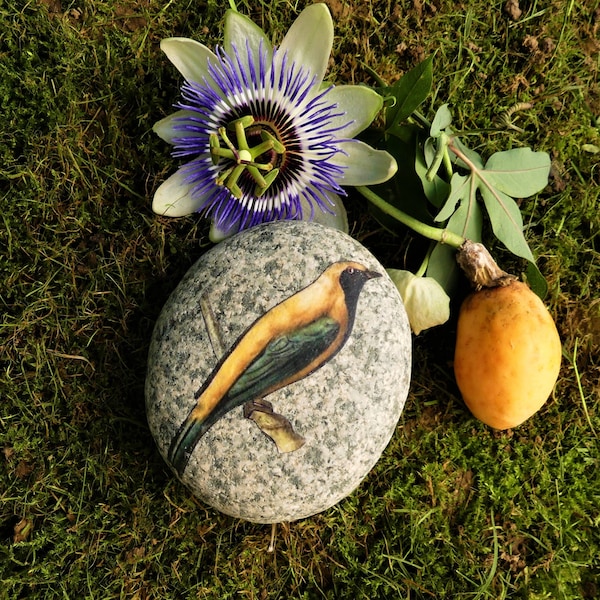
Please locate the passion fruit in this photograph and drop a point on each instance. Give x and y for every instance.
(508, 353)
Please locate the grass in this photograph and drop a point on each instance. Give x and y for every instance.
(452, 509)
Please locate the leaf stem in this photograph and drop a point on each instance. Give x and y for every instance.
(452, 146)
(421, 120)
(380, 82)
(444, 236)
(423, 268)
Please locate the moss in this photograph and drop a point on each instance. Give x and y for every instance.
(452, 509)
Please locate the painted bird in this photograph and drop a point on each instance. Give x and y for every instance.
(290, 341)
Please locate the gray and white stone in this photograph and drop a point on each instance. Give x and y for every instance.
(347, 410)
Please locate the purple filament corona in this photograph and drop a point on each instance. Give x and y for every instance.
(285, 101)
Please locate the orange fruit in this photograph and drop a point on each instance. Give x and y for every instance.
(507, 356)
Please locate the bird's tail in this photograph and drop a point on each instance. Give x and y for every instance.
(185, 441)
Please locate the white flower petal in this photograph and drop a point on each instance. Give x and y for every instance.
(173, 198)
(339, 220)
(309, 40)
(425, 300)
(359, 104)
(216, 235)
(165, 127)
(364, 165)
(241, 31)
(189, 56)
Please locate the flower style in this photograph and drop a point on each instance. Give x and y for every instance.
(266, 138)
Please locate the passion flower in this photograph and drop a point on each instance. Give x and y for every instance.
(265, 138)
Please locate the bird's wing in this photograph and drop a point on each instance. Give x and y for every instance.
(282, 359)
(280, 362)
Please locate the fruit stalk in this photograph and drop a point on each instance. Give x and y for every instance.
(480, 268)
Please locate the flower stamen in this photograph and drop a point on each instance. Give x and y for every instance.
(257, 176)
(216, 152)
(269, 137)
(268, 180)
(231, 182)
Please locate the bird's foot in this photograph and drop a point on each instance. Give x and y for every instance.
(274, 426)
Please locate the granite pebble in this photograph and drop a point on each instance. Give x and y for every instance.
(343, 413)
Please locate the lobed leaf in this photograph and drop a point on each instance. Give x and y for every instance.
(506, 220)
(519, 172)
(471, 155)
(467, 221)
(460, 188)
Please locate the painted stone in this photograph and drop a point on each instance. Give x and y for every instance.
(277, 371)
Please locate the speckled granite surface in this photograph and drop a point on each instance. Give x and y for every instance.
(346, 410)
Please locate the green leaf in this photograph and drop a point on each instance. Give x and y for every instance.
(405, 133)
(442, 119)
(443, 267)
(536, 280)
(506, 220)
(429, 151)
(409, 92)
(471, 155)
(404, 190)
(460, 187)
(519, 172)
(507, 225)
(467, 221)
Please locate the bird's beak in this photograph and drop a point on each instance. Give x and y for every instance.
(372, 274)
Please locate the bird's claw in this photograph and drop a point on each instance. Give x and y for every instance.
(274, 426)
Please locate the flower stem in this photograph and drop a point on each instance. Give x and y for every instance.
(442, 148)
(448, 163)
(437, 234)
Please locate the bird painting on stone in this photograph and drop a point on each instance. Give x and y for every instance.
(289, 342)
